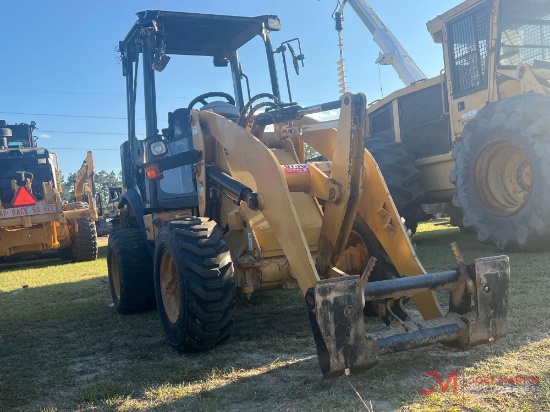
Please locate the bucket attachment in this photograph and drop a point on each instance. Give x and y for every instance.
(477, 314)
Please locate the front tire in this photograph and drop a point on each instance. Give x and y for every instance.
(362, 244)
(501, 173)
(194, 284)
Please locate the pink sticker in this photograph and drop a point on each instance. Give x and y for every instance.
(294, 169)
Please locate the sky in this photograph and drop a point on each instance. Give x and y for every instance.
(59, 65)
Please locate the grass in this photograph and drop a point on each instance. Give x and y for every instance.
(63, 347)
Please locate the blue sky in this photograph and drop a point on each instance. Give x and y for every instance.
(59, 63)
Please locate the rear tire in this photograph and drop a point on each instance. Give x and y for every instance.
(130, 268)
(83, 246)
(194, 284)
(403, 179)
(501, 173)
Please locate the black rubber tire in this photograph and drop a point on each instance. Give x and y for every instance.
(130, 269)
(70, 253)
(66, 254)
(84, 241)
(384, 269)
(403, 179)
(205, 284)
(455, 215)
(523, 123)
(83, 246)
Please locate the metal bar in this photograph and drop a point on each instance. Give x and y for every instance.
(221, 192)
(271, 64)
(427, 336)
(323, 107)
(236, 74)
(227, 182)
(409, 286)
(294, 112)
(150, 109)
(286, 72)
(234, 186)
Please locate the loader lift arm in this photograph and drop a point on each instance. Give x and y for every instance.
(84, 187)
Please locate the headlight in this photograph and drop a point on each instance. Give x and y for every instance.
(158, 148)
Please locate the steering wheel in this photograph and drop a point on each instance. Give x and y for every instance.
(202, 98)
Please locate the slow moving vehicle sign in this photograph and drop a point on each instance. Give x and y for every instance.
(26, 205)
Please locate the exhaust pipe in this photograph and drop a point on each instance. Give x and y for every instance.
(4, 134)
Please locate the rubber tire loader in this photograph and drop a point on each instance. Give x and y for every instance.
(217, 205)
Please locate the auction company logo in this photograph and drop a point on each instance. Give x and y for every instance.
(529, 382)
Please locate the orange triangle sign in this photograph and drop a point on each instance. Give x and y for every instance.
(23, 197)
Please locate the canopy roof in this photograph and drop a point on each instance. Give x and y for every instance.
(200, 34)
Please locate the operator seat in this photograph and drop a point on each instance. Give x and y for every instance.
(224, 109)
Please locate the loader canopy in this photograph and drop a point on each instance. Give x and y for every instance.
(201, 34)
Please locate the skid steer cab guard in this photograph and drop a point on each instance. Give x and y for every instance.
(253, 214)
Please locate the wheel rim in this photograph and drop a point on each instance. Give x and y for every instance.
(502, 176)
(356, 255)
(169, 287)
(115, 275)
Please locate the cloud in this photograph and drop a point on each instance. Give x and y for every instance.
(323, 116)
(43, 136)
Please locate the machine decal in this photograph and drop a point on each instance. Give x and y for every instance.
(295, 169)
(39, 209)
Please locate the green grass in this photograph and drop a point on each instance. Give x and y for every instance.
(63, 347)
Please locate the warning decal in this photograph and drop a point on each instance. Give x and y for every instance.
(297, 168)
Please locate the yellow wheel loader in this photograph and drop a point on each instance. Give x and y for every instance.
(33, 219)
(222, 202)
(480, 130)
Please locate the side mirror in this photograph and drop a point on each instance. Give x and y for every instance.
(220, 61)
(296, 58)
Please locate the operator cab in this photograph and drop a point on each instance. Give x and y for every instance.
(214, 39)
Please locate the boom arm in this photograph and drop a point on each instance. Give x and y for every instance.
(85, 175)
(392, 52)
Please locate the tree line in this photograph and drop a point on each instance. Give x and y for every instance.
(103, 180)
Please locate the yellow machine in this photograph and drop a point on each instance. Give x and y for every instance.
(218, 204)
(108, 214)
(480, 130)
(33, 219)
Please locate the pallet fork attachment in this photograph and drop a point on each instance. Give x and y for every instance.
(478, 293)
(345, 347)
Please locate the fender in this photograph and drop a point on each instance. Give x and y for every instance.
(132, 198)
